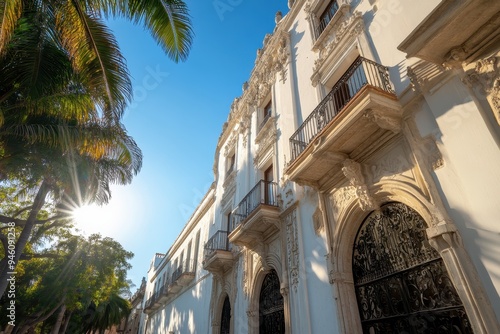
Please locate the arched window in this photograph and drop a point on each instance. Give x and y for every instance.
(271, 315)
(225, 322)
(401, 282)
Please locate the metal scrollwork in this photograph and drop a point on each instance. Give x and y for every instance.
(401, 283)
(272, 318)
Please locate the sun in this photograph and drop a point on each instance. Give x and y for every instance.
(88, 218)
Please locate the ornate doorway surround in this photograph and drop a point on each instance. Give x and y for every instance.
(401, 282)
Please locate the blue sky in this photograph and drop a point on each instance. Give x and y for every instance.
(176, 118)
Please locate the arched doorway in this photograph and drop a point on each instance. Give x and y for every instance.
(401, 282)
(225, 321)
(271, 314)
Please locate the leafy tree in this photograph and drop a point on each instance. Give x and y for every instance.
(63, 89)
(83, 274)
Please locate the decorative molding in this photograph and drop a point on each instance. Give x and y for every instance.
(287, 197)
(349, 27)
(266, 138)
(426, 77)
(384, 120)
(292, 247)
(341, 198)
(245, 129)
(231, 145)
(352, 170)
(319, 225)
(483, 77)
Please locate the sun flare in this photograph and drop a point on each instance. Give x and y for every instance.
(88, 218)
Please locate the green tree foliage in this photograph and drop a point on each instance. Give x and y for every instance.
(64, 87)
(82, 276)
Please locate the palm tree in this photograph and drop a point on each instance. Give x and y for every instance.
(63, 88)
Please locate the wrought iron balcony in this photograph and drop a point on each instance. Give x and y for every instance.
(183, 274)
(218, 256)
(361, 102)
(252, 215)
(326, 17)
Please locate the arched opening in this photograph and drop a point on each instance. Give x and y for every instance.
(271, 314)
(225, 321)
(401, 282)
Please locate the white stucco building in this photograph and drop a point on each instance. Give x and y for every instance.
(357, 181)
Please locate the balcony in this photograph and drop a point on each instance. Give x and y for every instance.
(360, 112)
(456, 31)
(156, 300)
(256, 217)
(183, 275)
(218, 256)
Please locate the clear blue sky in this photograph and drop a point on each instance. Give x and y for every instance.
(176, 119)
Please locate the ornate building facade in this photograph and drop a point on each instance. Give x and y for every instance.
(356, 181)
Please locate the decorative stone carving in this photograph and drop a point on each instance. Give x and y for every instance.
(383, 120)
(318, 221)
(292, 247)
(348, 26)
(287, 197)
(342, 197)
(432, 153)
(484, 77)
(266, 138)
(245, 129)
(231, 144)
(352, 170)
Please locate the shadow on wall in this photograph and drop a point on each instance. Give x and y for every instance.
(483, 247)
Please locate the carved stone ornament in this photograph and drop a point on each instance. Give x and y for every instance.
(273, 58)
(349, 27)
(266, 138)
(341, 198)
(245, 129)
(292, 247)
(231, 145)
(484, 78)
(287, 197)
(352, 170)
(384, 120)
(318, 221)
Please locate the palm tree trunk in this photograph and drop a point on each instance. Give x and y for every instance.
(24, 236)
(57, 325)
(66, 322)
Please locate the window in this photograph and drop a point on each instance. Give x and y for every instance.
(327, 16)
(266, 114)
(188, 257)
(269, 188)
(196, 248)
(229, 227)
(231, 161)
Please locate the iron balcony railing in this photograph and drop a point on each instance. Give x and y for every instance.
(183, 268)
(361, 73)
(326, 17)
(217, 242)
(264, 192)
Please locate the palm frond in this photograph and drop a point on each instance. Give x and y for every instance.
(96, 57)
(168, 22)
(10, 12)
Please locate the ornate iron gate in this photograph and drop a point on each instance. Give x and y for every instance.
(225, 322)
(271, 316)
(402, 285)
